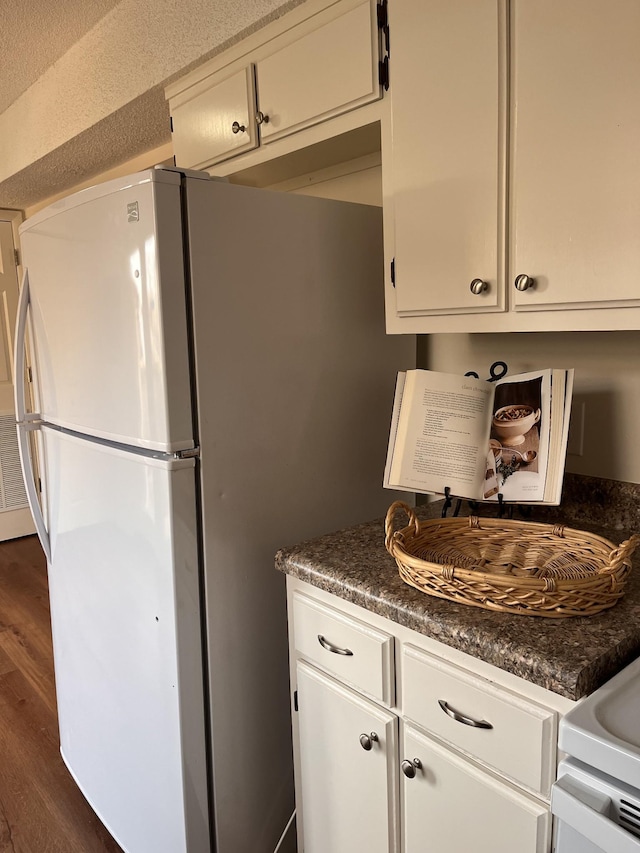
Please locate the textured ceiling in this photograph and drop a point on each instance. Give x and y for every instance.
(34, 33)
(82, 81)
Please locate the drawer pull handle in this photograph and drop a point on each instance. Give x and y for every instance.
(461, 718)
(409, 767)
(367, 741)
(331, 648)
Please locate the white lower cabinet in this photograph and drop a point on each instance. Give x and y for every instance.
(452, 806)
(348, 768)
(440, 753)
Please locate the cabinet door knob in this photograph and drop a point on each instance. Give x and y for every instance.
(524, 282)
(478, 286)
(331, 648)
(367, 741)
(236, 127)
(261, 118)
(462, 718)
(409, 767)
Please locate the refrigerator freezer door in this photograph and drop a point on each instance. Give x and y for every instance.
(124, 592)
(107, 284)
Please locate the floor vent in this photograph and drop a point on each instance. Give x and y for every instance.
(12, 492)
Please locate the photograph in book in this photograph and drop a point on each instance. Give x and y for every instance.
(519, 437)
(479, 439)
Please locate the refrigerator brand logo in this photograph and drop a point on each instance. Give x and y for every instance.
(132, 212)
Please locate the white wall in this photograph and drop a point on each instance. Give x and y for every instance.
(163, 154)
(361, 184)
(607, 381)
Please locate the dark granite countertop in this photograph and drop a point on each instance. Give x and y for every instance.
(571, 657)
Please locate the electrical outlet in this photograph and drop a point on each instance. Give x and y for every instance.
(575, 443)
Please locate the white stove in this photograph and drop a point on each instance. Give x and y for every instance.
(596, 798)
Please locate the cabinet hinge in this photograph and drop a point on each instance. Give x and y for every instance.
(393, 272)
(385, 51)
(383, 23)
(39, 484)
(171, 123)
(16, 257)
(295, 700)
(383, 73)
(383, 14)
(29, 375)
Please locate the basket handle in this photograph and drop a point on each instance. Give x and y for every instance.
(622, 553)
(389, 532)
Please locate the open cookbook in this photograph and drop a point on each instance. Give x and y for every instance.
(480, 439)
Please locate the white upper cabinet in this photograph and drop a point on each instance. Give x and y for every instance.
(213, 122)
(521, 175)
(317, 62)
(448, 153)
(576, 137)
(331, 69)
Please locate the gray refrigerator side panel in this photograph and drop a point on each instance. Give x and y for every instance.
(294, 379)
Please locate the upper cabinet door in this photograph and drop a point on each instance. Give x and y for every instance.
(213, 123)
(448, 71)
(576, 134)
(328, 71)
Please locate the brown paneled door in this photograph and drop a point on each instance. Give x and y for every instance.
(15, 516)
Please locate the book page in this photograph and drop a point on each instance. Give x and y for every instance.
(520, 431)
(443, 434)
(561, 396)
(393, 432)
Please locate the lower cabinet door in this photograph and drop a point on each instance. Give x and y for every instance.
(450, 805)
(348, 768)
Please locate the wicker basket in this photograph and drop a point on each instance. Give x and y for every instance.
(510, 566)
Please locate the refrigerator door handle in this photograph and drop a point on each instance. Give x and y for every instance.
(26, 462)
(27, 421)
(22, 415)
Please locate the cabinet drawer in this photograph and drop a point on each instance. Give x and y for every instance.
(344, 646)
(514, 735)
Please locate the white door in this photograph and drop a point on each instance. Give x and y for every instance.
(348, 749)
(15, 516)
(575, 204)
(123, 582)
(331, 69)
(450, 805)
(107, 289)
(448, 72)
(213, 123)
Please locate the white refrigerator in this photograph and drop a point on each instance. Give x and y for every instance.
(212, 382)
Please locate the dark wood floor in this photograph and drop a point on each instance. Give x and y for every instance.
(41, 809)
